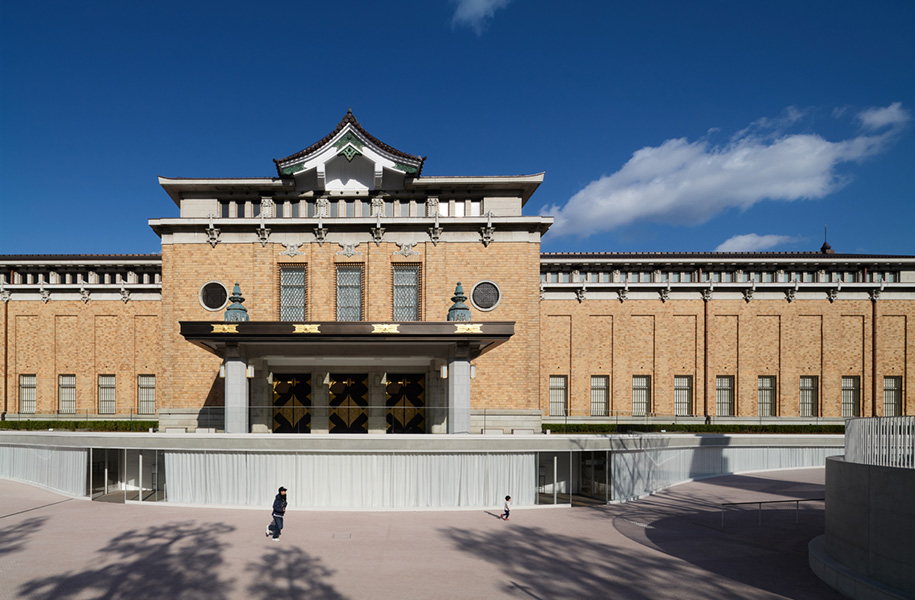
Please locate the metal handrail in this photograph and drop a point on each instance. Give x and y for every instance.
(797, 503)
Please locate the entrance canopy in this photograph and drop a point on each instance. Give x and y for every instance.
(333, 344)
(330, 338)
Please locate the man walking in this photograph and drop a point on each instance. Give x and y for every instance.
(279, 511)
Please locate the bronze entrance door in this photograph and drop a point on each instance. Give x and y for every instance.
(405, 403)
(291, 403)
(349, 403)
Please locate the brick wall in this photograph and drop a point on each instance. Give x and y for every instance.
(745, 340)
(82, 339)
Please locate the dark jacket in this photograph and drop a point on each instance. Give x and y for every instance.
(279, 505)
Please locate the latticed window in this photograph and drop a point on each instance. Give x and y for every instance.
(600, 395)
(683, 395)
(349, 293)
(724, 395)
(766, 396)
(27, 384)
(558, 395)
(892, 396)
(292, 293)
(106, 399)
(406, 292)
(146, 394)
(851, 396)
(809, 396)
(66, 394)
(641, 395)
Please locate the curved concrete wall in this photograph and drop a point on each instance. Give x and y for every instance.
(870, 521)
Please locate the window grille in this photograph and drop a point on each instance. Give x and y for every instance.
(406, 292)
(292, 294)
(600, 395)
(641, 395)
(106, 399)
(809, 397)
(349, 293)
(146, 394)
(851, 396)
(766, 396)
(27, 385)
(558, 395)
(892, 396)
(66, 394)
(683, 395)
(724, 395)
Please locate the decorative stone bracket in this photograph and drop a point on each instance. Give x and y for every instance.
(349, 250)
(435, 233)
(212, 233)
(320, 231)
(291, 249)
(263, 233)
(377, 230)
(486, 233)
(406, 249)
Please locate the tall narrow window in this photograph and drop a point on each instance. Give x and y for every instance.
(766, 396)
(600, 395)
(349, 293)
(892, 396)
(810, 406)
(683, 395)
(406, 292)
(106, 399)
(641, 395)
(27, 385)
(66, 394)
(724, 395)
(292, 293)
(558, 395)
(146, 394)
(851, 396)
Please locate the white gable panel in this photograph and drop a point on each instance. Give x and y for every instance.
(349, 176)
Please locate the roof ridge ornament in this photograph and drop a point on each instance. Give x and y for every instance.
(459, 311)
(236, 311)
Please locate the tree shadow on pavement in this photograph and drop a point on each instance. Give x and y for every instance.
(290, 573)
(12, 538)
(543, 565)
(178, 561)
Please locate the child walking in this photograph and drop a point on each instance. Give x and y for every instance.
(506, 508)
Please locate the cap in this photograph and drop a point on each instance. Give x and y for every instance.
(282, 489)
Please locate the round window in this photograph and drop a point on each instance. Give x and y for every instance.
(485, 295)
(214, 296)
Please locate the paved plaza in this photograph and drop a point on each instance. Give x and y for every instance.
(671, 545)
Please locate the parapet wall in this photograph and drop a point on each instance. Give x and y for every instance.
(870, 521)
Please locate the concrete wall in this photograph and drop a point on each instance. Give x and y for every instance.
(870, 521)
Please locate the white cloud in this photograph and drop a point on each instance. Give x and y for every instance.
(688, 183)
(476, 13)
(752, 242)
(876, 118)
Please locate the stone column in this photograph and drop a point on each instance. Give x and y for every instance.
(459, 390)
(320, 399)
(236, 392)
(377, 396)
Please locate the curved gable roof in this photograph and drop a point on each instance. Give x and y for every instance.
(349, 119)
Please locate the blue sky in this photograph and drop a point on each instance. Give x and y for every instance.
(661, 126)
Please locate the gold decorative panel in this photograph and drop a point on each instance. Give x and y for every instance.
(468, 328)
(302, 328)
(225, 328)
(386, 328)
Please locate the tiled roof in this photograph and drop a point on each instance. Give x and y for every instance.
(79, 257)
(714, 255)
(350, 119)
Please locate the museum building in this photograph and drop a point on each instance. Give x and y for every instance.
(350, 293)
